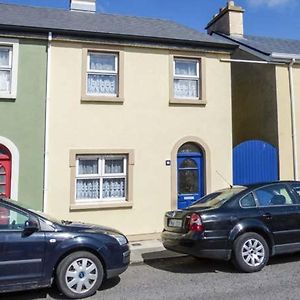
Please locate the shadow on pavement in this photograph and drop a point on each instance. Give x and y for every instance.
(52, 293)
(284, 258)
(188, 265)
(110, 283)
(48, 293)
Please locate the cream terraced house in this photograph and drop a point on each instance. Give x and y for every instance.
(138, 116)
(265, 101)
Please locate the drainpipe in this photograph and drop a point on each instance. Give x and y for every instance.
(293, 117)
(46, 138)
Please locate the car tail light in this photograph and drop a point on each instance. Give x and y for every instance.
(195, 223)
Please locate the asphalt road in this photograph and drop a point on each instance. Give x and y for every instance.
(188, 278)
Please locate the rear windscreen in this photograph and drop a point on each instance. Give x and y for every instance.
(217, 198)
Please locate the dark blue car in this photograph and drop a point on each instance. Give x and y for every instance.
(36, 249)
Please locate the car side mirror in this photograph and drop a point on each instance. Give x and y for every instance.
(30, 227)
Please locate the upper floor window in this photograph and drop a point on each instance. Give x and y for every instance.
(8, 68)
(5, 69)
(186, 77)
(102, 74)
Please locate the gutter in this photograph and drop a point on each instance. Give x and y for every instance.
(260, 62)
(46, 139)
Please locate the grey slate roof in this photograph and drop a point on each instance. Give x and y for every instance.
(59, 20)
(263, 47)
(268, 45)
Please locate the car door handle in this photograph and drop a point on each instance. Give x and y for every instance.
(267, 216)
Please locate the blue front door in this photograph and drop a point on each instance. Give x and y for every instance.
(190, 178)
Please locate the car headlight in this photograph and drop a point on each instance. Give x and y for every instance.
(122, 240)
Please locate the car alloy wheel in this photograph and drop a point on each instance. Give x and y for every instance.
(81, 275)
(250, 252)
(253, 252)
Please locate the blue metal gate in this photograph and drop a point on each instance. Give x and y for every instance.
(254, 161)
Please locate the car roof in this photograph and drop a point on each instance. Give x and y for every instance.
(261, 184)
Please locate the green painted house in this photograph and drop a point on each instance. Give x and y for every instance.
(23, 81)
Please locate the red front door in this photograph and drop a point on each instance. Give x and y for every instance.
(5, 180)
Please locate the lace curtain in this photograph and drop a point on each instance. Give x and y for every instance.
(88, 166)
(114, 166)
(90, 187)
(113, 188)
(102, 77)
(185, 88)
(4, 74)
(187, 68)
(102, 84)
(186, 80)
(4, 81)
(4, 58)
(101, 62)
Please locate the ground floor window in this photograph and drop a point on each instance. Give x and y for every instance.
(101, 178)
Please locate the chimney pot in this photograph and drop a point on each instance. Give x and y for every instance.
(83, 5)
(228, 21)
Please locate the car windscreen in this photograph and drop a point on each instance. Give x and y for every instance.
(217, 198)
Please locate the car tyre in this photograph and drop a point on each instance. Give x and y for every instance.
(250, 252)
(79, 275)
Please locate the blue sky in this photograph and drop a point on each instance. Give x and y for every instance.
(277, 18)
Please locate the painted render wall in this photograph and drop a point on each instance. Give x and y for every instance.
(284, 123)
(145, 122)
(254, 107)
(296, 73)
(22, 120)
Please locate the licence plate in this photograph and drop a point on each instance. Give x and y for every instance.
(175, 223)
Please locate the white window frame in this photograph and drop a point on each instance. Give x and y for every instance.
(187, 77)
(103, 72)
(101, 175)
(13, 45)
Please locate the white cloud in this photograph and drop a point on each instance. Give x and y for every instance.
(270, 3)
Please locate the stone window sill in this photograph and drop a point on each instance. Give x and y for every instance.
(101, 99)
(100, 206)
(7, 97)
(188, 102)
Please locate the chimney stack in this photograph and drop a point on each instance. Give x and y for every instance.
(228, 21)
(83, 5)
